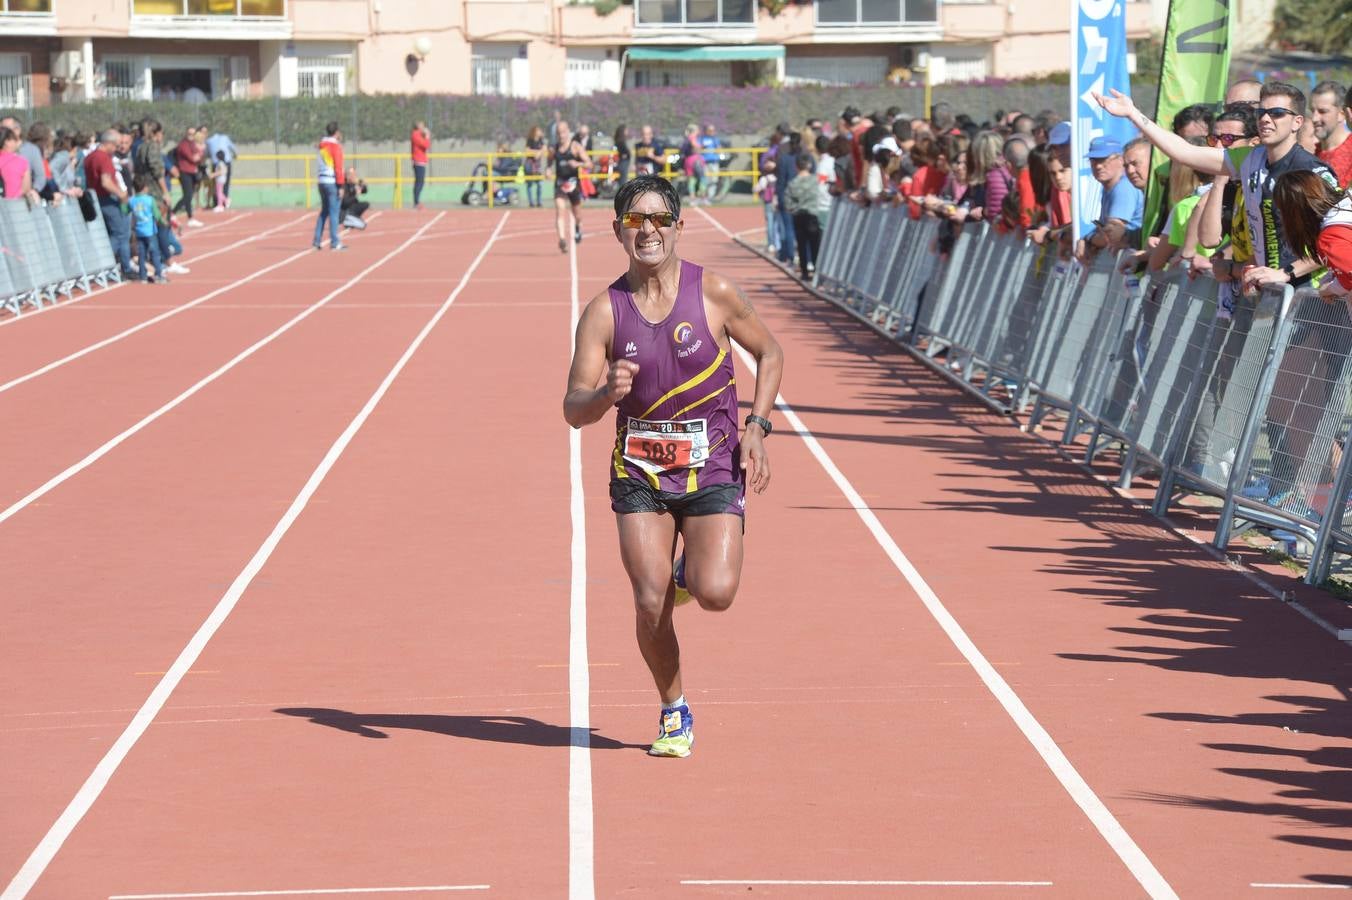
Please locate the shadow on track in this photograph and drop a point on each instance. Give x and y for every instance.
(501, 729)
(1193, 614)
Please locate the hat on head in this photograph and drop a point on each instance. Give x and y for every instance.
(887, 143)
(1103, 147)
(1060, 134)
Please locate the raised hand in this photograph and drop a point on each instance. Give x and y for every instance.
(1118, 104)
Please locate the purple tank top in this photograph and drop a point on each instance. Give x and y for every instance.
(677, 428)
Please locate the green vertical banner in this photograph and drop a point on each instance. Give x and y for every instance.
(1195, 69)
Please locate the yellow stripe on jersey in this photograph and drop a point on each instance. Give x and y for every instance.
(693, 382)
(619, 456)
(706, 398)
(691, 482)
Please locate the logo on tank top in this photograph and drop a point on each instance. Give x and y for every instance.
(631, 349)
(684, 332)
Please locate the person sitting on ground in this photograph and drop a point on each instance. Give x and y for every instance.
(352, 207)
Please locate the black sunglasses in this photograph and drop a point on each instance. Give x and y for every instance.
(1274, 112)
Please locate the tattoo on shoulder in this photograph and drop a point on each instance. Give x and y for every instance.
(744, 308)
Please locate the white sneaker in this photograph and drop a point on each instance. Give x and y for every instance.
(194, 223)
(177, 269)
(218, 209)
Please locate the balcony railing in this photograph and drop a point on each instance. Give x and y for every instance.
(875, 13)
(694, 13)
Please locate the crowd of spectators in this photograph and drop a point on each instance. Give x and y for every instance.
(129, 174)
(1224, 164)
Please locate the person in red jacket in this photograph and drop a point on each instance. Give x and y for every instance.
(1316, 219)
(419, 141)
(188, 155)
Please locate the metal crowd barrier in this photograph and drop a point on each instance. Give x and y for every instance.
(50, 252)
(1246, 398)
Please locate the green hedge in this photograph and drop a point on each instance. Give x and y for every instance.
(744, 110)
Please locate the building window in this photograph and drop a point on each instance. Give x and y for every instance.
(266, 9)
(876, 12)
(491, 75)
(704, 13)
(122, 78)
(321, 76)
(840, 71)
(15, 87)
(41, 7)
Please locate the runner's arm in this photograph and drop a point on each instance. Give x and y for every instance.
(586, 402)
(1204, 159)
(745, 327)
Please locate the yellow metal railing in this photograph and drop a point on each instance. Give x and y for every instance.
(400, 179)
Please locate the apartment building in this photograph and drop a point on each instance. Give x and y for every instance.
(71, 50)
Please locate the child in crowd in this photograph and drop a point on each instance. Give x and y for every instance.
(145, 216)
(219, 172)
(765, 190)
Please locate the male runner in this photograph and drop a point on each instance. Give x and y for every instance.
(657, 345)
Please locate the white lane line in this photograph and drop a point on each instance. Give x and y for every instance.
(581, 840)
(102, 291)
(426, 889)
(108, 446)
(51, 842)
(844, 883)
(1094, 808)
(1303, 887)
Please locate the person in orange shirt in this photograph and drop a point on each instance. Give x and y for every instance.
(420, 141)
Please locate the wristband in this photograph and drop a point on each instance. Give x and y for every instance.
(764, 423)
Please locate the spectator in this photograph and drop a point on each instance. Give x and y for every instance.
(623, 155)
(331, 177)
(1045, 123)
(352, 207)
(877, 186)
(1193, 121)
(1051, 194)
(803, 203)
(535, 151)
(648, 157)
(692, 160)
(149, 162)
(787, 162)
(1280, 116)
(1306, 138)
(826, 175)
(942, 119)
(1023, 124)
(63, 163)
(992, 176)
(846, 181)
(713, 161)
(145, 213)
(1317, 224)
(101, 177)
(765, 192)
(187, 157)
(16, 176)
(1329, 105)
(1247, 91)
(35, 151)
(217, 144)
(1123, 203)
(1187, 187)
(220, 172)
(584, 136)
(420, 141)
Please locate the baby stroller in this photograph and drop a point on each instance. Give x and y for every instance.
(476, 191)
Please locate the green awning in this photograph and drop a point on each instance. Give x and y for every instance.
(706, 54)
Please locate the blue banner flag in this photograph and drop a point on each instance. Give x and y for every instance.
(1099, 64)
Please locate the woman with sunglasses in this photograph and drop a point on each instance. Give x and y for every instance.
(1280, 114)
(657, 346)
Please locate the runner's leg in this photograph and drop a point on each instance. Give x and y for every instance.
(647, 543)
(561, 219)
(577, 221)
(713, 558)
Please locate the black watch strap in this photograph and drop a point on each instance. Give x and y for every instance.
(1290, 270)
(762, 422)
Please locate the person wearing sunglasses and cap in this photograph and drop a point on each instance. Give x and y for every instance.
(657, 346)
(1280, 113)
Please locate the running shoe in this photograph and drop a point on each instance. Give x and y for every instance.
(563, 246)
(177, 269)
(678, 578)
(194, 223)
(675, 733)
(338, 246)
(577, 235)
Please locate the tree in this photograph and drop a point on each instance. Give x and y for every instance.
(1321, 26)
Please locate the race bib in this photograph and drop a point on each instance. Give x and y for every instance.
(568, 185)
(663, 445)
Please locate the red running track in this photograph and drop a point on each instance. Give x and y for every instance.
(375, 528)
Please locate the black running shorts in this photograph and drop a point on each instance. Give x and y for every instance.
(633, 495)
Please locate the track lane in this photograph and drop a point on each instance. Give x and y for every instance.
(1145, 658)
(120, 563)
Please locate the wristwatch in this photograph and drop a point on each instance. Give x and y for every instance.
(1290, 270)
(764, 423)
